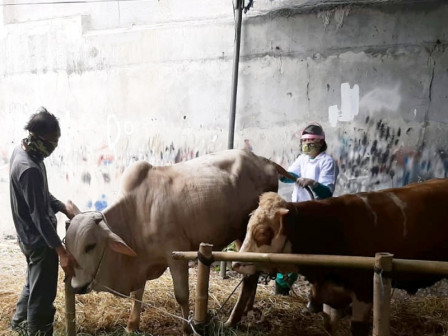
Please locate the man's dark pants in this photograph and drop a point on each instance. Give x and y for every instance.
(35, 306)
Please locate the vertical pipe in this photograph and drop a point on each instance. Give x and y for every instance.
(236, 62)
(70, 312)
(381, 296)
(201, 300)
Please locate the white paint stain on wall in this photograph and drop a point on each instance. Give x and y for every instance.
(381, 99)
(349, 105)
(113, 130)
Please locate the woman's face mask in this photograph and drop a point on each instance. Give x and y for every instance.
(311, 147)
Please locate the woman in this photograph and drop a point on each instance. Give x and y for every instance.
(313, 168)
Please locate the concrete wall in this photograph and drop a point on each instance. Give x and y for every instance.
(151, 80)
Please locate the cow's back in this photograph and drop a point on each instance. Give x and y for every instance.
(411, 222)
(207, 199)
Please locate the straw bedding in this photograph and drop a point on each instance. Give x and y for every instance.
(105, 314)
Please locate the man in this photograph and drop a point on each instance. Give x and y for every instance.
(33, 211)
(313, 168)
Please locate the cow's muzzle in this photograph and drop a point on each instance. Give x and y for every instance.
(243, 268)
(82, 290)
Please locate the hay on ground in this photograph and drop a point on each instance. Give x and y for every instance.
(105, 314)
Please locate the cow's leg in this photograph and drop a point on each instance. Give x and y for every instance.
(360, 323)
(314, 304)
(179, 273)
(245, 300)
(331, 318)
(134, 317)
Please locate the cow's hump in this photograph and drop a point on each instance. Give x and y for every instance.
(134, 175)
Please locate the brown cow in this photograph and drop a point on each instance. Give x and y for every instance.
(410, 222)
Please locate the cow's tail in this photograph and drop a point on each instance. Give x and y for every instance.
(282, 171)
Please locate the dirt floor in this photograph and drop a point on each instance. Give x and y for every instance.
(425, 313)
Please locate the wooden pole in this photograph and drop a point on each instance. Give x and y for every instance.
(223, 269)
(201, 300)
(399, 265)
(70, 310)
(382, 284)
(283, 258)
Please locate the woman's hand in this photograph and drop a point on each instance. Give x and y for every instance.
(306, 182)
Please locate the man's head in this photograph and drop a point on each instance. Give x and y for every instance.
(313, 140)
(44, 133)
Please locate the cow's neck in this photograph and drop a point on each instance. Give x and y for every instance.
(121, 217)
(314, 228)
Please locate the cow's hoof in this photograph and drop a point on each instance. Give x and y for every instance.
(229, 324)
(129, 331)
(359, 328)
(313, 308)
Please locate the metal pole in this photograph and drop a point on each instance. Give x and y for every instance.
(236, 61)
(382, 284)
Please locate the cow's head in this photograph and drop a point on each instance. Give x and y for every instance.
(265, 232)
(88, 237)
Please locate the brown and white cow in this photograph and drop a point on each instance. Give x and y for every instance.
(410, 222)
(163, 209)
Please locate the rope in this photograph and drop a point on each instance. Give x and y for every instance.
(206, 261)
(189, 321)
(220, 308)
(308, 189)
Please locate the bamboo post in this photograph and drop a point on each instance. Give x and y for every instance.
(70, 310)
(382, 292)
(223, 269)
(201, 301)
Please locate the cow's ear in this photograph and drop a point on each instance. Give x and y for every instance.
(72, 207)
(118, 245)
(280, 213)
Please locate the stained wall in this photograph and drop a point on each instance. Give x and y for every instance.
(152, 80)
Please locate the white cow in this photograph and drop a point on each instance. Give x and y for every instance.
(163, 209)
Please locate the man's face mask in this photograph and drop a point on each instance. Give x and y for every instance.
(311, 148)
(38, 146)
(46, 147)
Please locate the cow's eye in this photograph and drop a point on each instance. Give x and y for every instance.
(89, 248)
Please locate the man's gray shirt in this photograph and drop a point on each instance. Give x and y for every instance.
(33, 207)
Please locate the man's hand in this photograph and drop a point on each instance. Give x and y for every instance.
(71, 209)
(306, 182)
(67, 261)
